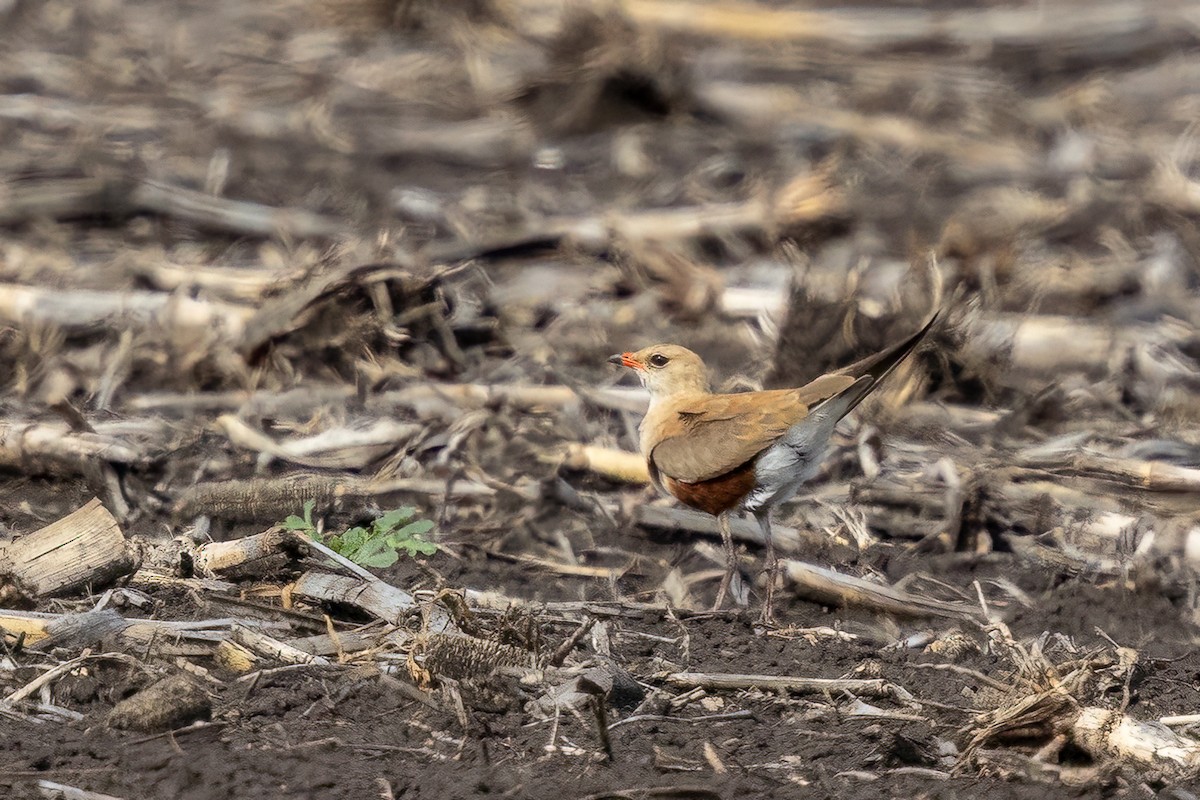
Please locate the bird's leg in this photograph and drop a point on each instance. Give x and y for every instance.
(730, 558)
(771, 568)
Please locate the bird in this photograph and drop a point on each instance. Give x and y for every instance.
(747, 451)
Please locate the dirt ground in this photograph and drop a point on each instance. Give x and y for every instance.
(226, 230)
(324, 733)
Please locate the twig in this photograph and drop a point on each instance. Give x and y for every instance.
(1180, 719)
(827, 586)
(374, 596)
(344, 448)
(979, 676)
(494, 601)
(49, 446)
(576, 570)
(338, 558)
(86, 310)
(994, 27)
(264, 645)
(870, 687)
(676, 518)
(983, 604)
(563, 650)
(86, 547)
(62, 669)
(1105, 732)
(231, 216)
(60, 791)
(198, 725)
(254, 677)
(216, 557)
(618, 465)
(732, 715)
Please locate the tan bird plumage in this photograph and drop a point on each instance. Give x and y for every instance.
(722, 452)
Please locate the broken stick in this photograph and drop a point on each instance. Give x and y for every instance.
(870, 687)
(85, 548)
(832, 588)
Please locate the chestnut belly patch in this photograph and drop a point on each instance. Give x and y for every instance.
(714, 495)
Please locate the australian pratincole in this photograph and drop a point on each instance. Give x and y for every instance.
(749, 451)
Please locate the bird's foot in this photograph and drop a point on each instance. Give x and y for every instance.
(766, 617)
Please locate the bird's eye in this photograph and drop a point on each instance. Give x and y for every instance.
(658, 360)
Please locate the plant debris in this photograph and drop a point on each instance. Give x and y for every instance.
(314, 481)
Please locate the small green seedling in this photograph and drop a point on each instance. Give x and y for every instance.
(380, 544)
(304, 524)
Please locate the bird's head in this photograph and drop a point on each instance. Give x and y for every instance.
(666, 369)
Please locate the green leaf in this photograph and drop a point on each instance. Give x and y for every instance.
(381, 544)
(384, 558)
(348, 542)
(375, 553)
(417, 528)
(294, 523)
(393, 518)
(305, 523)
(412, 545)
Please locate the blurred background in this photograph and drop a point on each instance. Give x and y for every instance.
(364, 252)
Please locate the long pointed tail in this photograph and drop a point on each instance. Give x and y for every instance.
(874, 368)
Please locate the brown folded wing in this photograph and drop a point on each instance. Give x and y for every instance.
(710, 436)
(713, 435)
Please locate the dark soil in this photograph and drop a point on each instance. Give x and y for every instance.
(334, 734)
